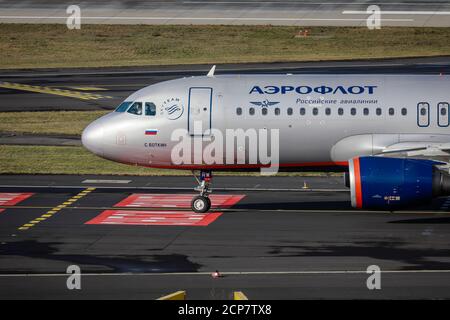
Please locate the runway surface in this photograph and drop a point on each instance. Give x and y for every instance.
(249, 12)
(270, 238)
(105, 88)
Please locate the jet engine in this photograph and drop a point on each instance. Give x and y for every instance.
(387, 183)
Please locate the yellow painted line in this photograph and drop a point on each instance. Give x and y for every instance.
(239, 295)
(88, 88)
(179, 295)
(54, 210)
(49, 90)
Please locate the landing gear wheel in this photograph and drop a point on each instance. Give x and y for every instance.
(200, 204)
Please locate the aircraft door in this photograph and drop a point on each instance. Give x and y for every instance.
(200, 106)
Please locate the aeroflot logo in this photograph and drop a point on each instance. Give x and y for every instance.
(308, 90)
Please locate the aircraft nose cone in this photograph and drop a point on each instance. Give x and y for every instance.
(92, 138)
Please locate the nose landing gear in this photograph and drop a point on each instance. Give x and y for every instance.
(202, 202)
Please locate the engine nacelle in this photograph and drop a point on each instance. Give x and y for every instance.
(377, 182)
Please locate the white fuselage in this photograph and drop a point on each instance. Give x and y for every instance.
(321, 119)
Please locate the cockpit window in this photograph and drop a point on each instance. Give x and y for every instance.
(150, 109)
(123, 106)
(136, 108)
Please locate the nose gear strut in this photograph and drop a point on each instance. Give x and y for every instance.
(202, 202)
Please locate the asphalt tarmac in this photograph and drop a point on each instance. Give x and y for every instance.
(105, 88)
(234, 12)
(286, 238)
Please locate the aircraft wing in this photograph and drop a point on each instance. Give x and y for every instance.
(422, 146)
(424, 150)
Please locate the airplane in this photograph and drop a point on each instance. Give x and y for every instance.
(389, 134)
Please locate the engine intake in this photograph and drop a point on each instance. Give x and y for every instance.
(377, 182)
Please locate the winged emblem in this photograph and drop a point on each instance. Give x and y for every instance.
(265, 103)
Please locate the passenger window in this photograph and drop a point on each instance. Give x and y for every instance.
(366, 111)
(391, 111)
(289, 111)
(378, 111)
(136, 108)
(404, 111)
(353, 111)
(251, 111)
(423, 114)
(238, 111)
(150, 109)
(315, 111)
(264, 111)
(443, 119)
(277, 111)
(327, 111)
(302, 111)
(123, 106)
(340, 111)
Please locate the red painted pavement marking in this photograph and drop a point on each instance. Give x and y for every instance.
(11, 199)
(151, 200)
(159, 218)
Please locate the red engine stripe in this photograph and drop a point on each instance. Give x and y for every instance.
(358, 191)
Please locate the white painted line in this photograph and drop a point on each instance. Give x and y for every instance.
(439, 13)
(105, 181)
(178, 188)
(237, 273)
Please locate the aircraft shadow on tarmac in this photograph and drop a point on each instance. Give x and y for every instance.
(410, 257)
(390, 249)
(432, 220)
(108, 263)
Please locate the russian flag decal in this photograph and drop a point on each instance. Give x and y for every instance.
(151, 132)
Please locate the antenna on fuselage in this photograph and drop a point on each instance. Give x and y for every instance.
(211, 72)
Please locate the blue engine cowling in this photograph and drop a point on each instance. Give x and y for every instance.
(377, 182)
